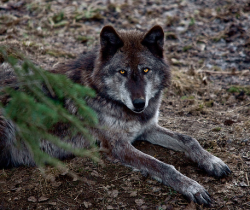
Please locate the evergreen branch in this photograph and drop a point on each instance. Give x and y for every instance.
(34, 113)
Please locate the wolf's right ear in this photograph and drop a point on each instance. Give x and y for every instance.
(154, 40)
(110, 42)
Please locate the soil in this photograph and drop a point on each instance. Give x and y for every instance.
(208, 46)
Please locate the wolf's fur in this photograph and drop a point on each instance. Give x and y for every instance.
(127, 105)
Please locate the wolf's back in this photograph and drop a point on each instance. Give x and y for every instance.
(13, 151)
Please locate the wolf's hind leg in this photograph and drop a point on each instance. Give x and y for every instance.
(5, 159)
(11, 154)
(190, 146)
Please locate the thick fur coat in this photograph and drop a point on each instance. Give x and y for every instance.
(128, 72)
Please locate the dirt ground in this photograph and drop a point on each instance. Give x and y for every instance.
(208, 46)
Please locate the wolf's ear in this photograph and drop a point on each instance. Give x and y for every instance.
(154, 40)
(110, 42)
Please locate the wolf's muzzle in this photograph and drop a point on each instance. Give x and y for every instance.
(139, 104)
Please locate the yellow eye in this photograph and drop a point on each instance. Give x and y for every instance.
(146, 70)
(122, 72)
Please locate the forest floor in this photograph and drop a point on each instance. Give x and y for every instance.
(208, 46)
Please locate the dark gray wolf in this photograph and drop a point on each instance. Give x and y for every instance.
(128, 72)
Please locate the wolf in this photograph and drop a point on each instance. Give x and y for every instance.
(129, 72)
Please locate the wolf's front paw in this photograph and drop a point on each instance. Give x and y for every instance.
(195, 192)
(214, 166)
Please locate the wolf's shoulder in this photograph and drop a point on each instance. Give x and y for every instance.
(80, 69)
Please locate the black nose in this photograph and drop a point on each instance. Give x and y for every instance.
(139, 104)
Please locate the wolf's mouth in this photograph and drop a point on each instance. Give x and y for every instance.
(138, 110)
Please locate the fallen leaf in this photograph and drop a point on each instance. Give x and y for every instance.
(52, 203)
(95, 173)
(42, 198)
(32, 199)
(56, 184)
(190, 206)
(50, 178)
(16, 189)
(243, 184)
(87, 181)
(133, 194)
(64, 172)
(156, 189)
(168, 207)
(87, 204)
(113, 193)
(139, 202)
(75, 178)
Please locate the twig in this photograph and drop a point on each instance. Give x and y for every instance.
(118, 178)
(18, 84)
(78, 195)
(150, 194)
(68, 204)
(225, 72)
(247, 179)
(246, 204)
(239, 107)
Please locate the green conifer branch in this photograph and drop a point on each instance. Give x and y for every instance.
(34, 113)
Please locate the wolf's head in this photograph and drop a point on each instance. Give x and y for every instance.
(131, 68)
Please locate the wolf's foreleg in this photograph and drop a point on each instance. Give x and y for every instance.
(190, 146)
(129, 155)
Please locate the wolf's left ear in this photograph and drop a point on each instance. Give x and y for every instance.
(154, 40)
(110, 42)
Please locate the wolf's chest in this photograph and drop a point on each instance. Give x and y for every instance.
(121, 124)
(116, 121)
(130, 129)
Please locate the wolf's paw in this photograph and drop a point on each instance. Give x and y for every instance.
(195, 192)
(215, 166)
